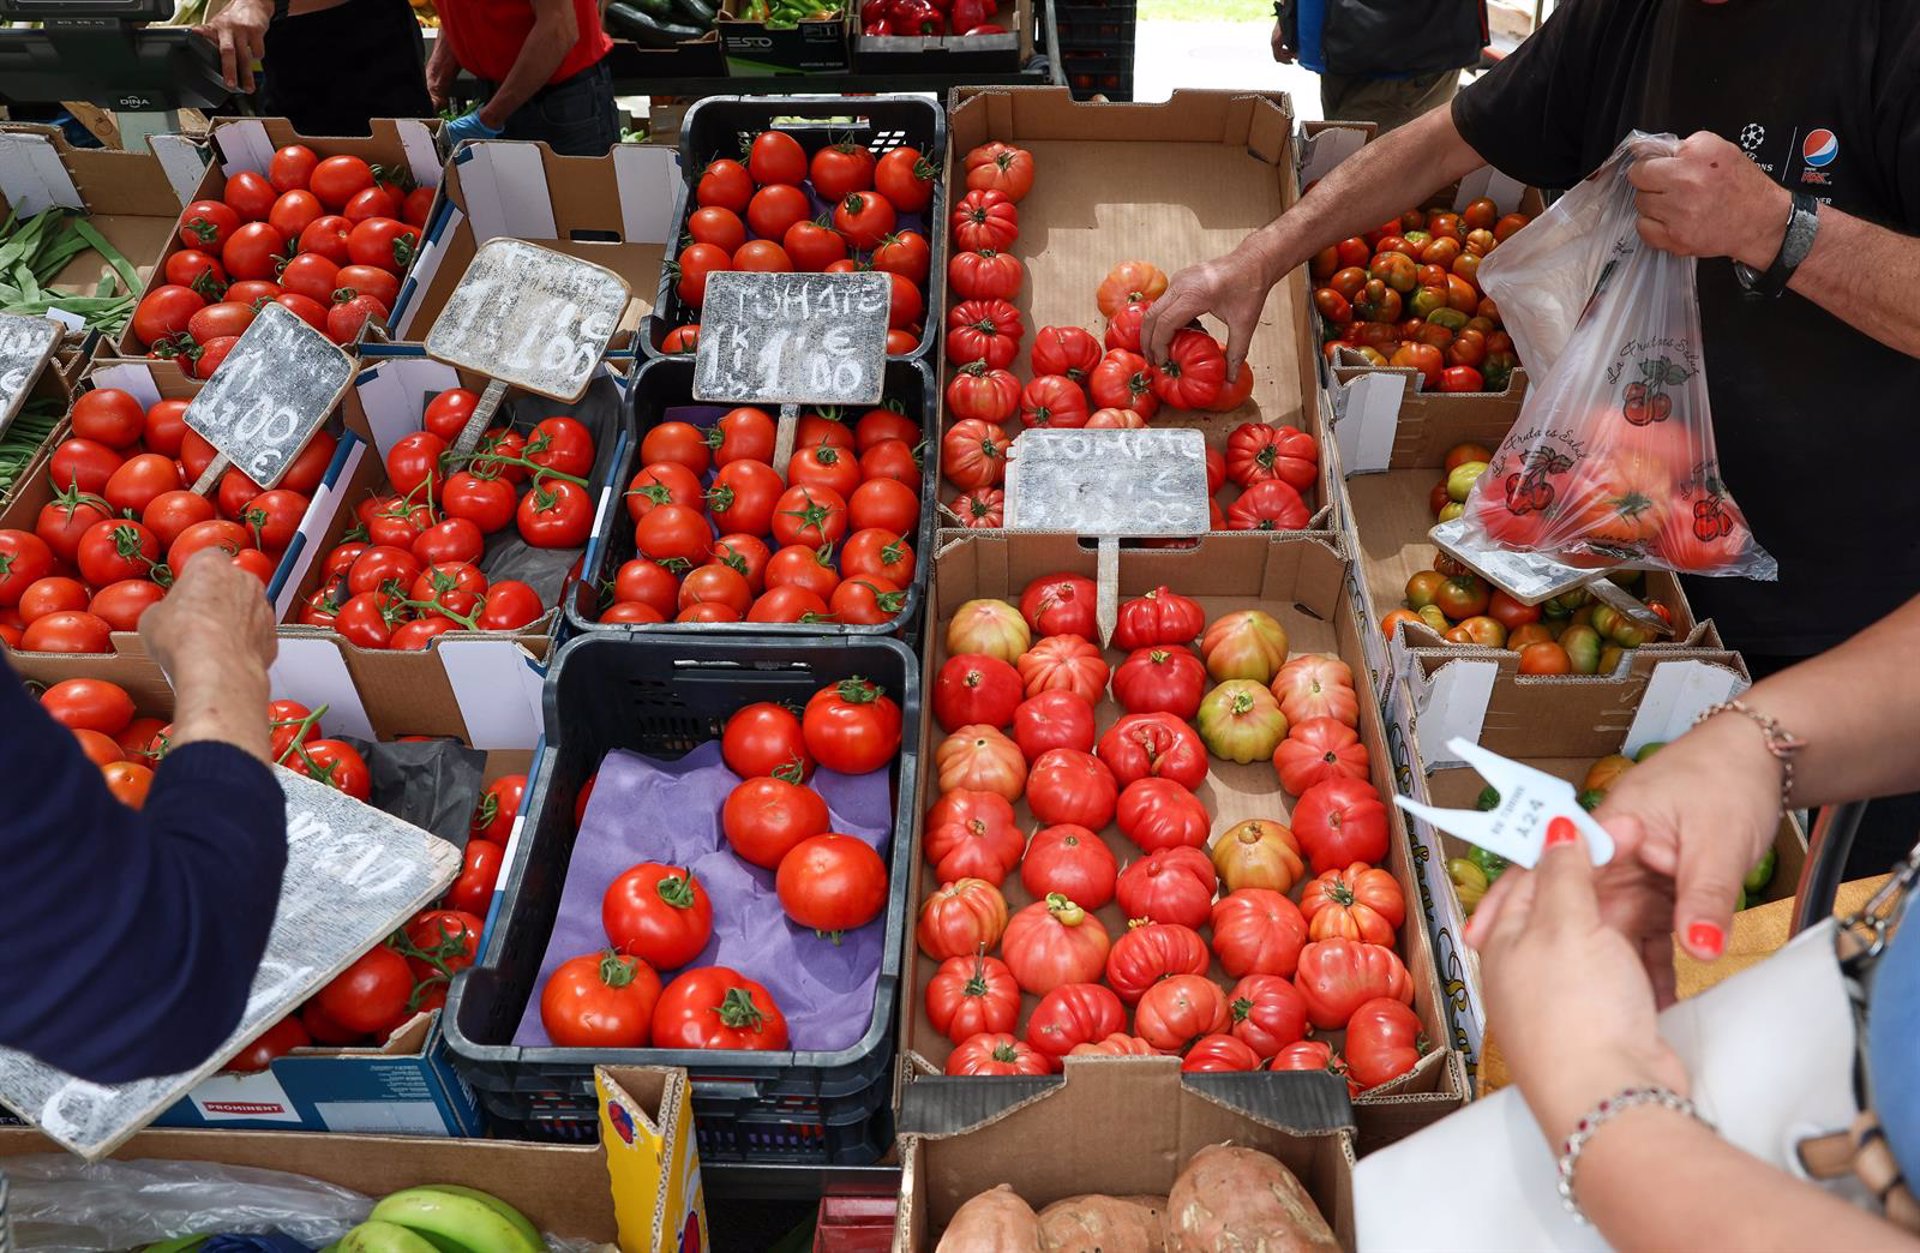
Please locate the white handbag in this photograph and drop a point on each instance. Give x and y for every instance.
(1792, 1098)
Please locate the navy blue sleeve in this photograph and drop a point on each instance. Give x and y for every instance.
(131, 937)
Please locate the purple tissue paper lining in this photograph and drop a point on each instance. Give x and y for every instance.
(669, 811)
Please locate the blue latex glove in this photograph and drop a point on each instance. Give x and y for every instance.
(469, 126)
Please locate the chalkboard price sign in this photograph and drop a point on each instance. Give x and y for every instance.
(815, 339)
(265, 401)
(353, 874)
(26, 345)
(1124, 483)
(531, 318)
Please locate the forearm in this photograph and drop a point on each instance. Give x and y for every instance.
(1863, 274)
(1848, 704)
(552, 37)
(1381, 181)
(1655, 1179)
(224, 700)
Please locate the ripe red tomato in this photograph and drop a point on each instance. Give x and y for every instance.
(26, 557)
(832, 883)
(1072, 861)
(971, 994)
(499, 805)
(825, 465)
(997, 1054)
(988, 395)
(809, 515)
(336, 764)
(1066, 785)
(764, 818)
(383, 242)
(109, 416)
(291, 168)
(164, 312)
(1058, 718)
(336, 180)
(1340, 821)
(840, 169)
(1336, 977)
(276, 1041)
(743, 434)
(1061, 604)
(67, 632)
(139, 480)
(717, 1008)
(115, 550)
(864, 218)
(219, 533)
(773, 211)
(987, 276)
(254, 252)
(852, 726)
(509, 605)
(487, 503)
(720, 227)
(1268, 1013)
(973, 688)
(985, 219)
(725, 184)
(1151, 952)
(1268, 506)
(1177, 1011)
(563, 445)
(347, 319)
(696, 262)
(600, 1000)
(884, 504)
(1074, 1014)
(370, 996)
(556, 514)
(1053, 942)
(659, 914)
(294, 211)
(761, 738)
(678, 442)
(908, 255)
(89, 704)
(53, 594)
(1384, 1041)
(1257, 931)
(906, 179)
(207, 224)
(1170, 885)
(867, 600)
(1161, 679)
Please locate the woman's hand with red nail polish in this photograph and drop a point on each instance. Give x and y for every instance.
(1566, 994)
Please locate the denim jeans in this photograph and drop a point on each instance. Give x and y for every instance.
(576, 117)
(1893, 1027)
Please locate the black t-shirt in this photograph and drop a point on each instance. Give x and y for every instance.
(1814, 421)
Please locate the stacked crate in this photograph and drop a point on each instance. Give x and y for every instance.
(1096, 47)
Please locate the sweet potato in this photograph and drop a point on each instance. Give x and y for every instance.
(996, 1221)
(1229, 1199)
(1104, 1224)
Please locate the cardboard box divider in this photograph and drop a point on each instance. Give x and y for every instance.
(1078, 223)
(1557, 723)
(1383, 503)
(1299, 578)
(615, 211)
(1119, 1126)
(248, 143)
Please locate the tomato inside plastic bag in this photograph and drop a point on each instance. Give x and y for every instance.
(1612, 460)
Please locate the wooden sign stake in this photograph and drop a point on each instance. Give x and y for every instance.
(496, 391)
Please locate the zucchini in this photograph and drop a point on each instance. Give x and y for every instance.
(697, 12)
(643, 28)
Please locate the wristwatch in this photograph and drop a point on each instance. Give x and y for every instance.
(1803, 221)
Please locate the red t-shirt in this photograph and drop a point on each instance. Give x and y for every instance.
(486, 36)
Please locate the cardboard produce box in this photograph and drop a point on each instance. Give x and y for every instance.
(615, 211)
(1115, 1126)
(482, 686)
(1557, 723)
(562, 1188)
(1082, 219)
(129, 197)
(404, 1086)
(756, 50)
(1325, 145)
(406, 147)
(1298, 578)
(1388, 465)
(150, 381)
(954, 53)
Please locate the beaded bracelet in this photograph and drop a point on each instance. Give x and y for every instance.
(1618, 1103)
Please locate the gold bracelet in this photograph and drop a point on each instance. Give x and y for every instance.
(1780, 744)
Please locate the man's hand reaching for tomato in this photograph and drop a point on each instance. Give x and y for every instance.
(1709, 200)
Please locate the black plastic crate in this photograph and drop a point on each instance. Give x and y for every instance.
(663, 391)
(860, 1137)
(1107, 73)
(663, 696)
(724, 126)
(1096, 29)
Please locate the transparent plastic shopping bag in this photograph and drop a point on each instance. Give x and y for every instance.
(1612, 460)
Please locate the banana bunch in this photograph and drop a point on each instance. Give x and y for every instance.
(443, 1218)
